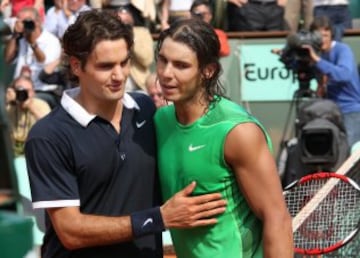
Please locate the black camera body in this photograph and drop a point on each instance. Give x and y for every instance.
(29, 25)
(21, 94)
(297, 58)
(295, 42)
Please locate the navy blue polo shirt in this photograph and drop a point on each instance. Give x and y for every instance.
(78, 159)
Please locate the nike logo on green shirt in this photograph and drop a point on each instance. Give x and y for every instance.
(194, 148)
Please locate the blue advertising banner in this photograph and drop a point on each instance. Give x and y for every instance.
(263, 76)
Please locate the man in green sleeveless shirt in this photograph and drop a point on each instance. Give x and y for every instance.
(208, 139)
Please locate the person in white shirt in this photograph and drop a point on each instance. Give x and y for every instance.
(31, 47)
(63, 14)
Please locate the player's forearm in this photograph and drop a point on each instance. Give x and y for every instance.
(90, 230)
(77, 230)
(277, 237)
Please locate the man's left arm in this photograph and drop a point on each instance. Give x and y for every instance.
(248, 154)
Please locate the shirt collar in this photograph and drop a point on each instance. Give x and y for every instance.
(76, 111)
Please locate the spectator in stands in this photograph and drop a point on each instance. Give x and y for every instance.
(154, 90)
(338, 12)
(140, 10)
(341, 81)
(64, 14)
(255, 15)
(91, 162)
(54, 73)
(298, 12)
(17, 5)
(31, 47)
(54, 15)
(96, 4)
(202, 9)
(172, 10)
(24, 110)
(142, 55)
(206, 138)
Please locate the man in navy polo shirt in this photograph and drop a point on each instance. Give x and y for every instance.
(92, 160)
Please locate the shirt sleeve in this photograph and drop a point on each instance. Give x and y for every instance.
(52, 182)
(340, 69)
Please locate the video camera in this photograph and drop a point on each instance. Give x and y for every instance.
(297, 58)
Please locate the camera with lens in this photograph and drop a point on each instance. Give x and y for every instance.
(29, 25)
(21, 94)
(297, 58)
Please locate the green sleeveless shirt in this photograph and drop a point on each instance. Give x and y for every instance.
(195, 152)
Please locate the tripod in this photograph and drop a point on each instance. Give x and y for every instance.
(302, 93)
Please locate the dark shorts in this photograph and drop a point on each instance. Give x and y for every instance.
(255, 16)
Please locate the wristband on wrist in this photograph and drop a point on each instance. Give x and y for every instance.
(147, 222)
(33, 46)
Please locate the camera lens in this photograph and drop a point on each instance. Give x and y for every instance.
(29, 25)
(21, 94)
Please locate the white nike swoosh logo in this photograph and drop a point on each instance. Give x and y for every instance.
(147, 221)
(194, 148)
(140, 124)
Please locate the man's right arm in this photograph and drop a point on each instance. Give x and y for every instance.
(11, 48)
(76, 230)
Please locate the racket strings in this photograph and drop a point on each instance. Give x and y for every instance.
(333, 220)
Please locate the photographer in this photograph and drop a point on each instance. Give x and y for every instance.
(296, 59)
(31, 48)
(23, 109)
(340, 80)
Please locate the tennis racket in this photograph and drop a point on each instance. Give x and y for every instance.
(313, 201)
(333, 218)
